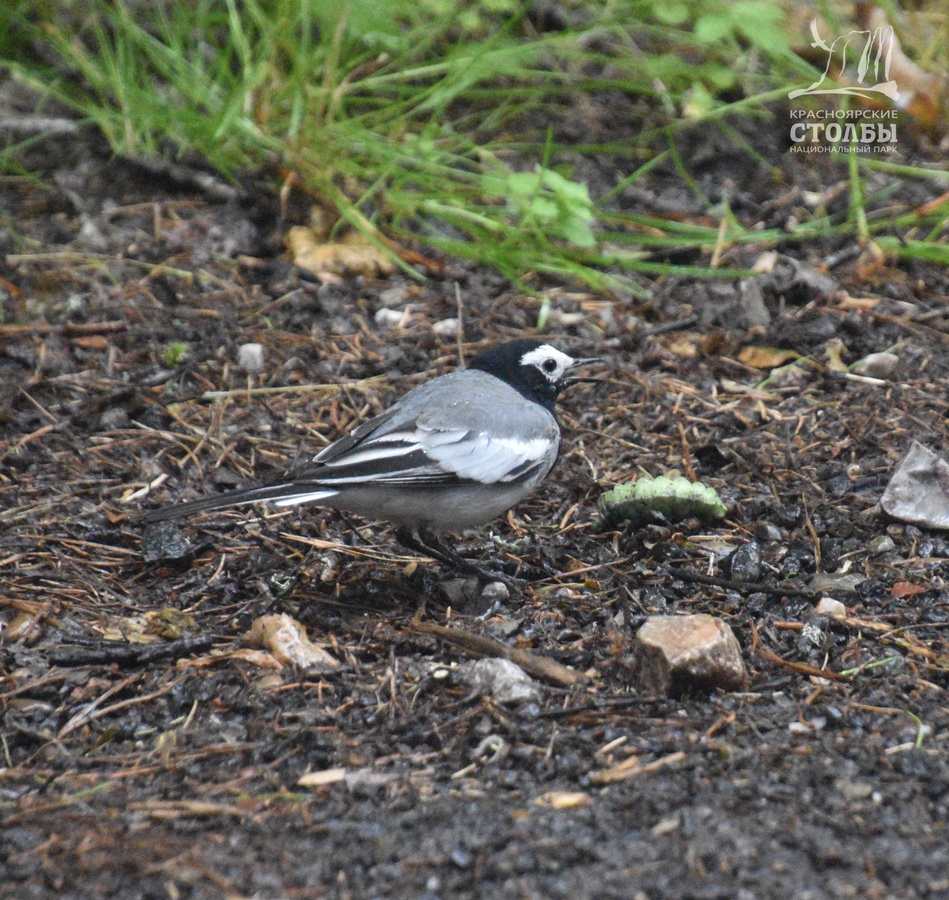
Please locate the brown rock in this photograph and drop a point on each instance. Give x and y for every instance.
(679, 654)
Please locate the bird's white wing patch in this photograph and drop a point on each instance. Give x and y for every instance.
(395, 449)
(390, 446)
(481, 457)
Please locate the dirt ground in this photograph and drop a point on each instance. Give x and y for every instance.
(148, 752)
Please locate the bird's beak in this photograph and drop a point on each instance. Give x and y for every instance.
(585, 362)
(580, 379)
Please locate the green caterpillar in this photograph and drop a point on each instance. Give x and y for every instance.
(673, 499)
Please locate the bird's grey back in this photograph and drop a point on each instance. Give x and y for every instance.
(472, 400)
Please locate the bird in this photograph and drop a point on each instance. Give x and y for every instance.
(454, 453)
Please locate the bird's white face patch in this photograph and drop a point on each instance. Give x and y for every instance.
(549, 361)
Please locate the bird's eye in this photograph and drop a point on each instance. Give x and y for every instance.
(549, 366)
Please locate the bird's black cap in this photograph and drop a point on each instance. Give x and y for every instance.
(534, 368)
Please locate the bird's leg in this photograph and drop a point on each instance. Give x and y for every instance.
(426, 543)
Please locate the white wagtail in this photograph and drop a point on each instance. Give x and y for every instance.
(454, 453)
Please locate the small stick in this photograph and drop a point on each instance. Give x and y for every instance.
(73, 329)
(763, 652)
(126, 654)
(532, 663)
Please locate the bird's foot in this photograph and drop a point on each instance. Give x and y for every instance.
(428, 545)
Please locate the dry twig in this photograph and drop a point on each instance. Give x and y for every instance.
(532, 663)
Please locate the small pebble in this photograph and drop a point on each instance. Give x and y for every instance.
(389, 318)
(838, 486)
(836, 581)
(114, 419)
(395, 296)
(768, 533)
(877, 365)
(854, 790)
(745, 562)
(77, 307)
(565, 319)
(461, 858)
(504, 680)
(811, 635)
(446, 328)
(495, 592)
(461, 591)
(250, 357)
(830, 607)
(165, 542)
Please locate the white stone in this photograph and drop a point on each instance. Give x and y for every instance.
(446, 328)
(877, 365)
(504, 680)
(389, 318)
(828, 606)
(250, 357)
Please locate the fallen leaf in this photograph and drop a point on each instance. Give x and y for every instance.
(91, 342)
(318, 779)
(254, 657)
(353, 255)
(287, 640)
(685, 346)
(564, 799)
(859, 303)
(833, 350)
(766, 357)
(922, 94)
(24, 626)
(170, 623)
(134, 629)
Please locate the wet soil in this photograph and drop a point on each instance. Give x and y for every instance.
(146, 752)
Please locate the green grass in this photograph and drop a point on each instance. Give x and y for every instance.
(413, 119)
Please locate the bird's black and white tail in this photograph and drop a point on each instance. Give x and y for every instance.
(287, 494)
